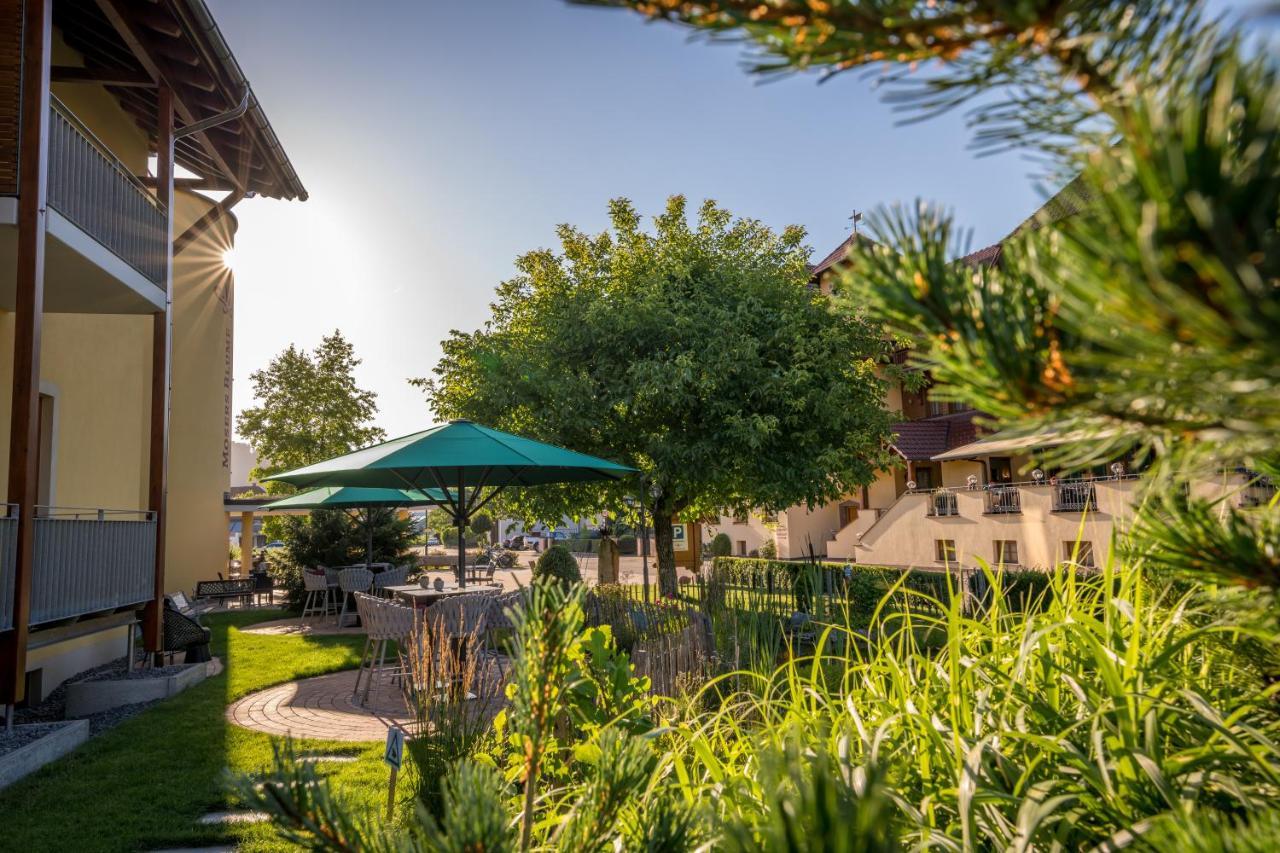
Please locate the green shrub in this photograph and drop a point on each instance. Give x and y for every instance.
(768, 550)
(333, 538)
(558, 563)
(721, 545)
(627, 545)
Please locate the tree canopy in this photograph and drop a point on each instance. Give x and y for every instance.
(695, 352)
(308, 408)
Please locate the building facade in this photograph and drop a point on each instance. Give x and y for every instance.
(961, 498)
(116, 327)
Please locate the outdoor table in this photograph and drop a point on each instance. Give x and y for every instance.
(417, 596)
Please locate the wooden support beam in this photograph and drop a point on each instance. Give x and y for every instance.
(161, 347)
(28, 316)
(206, 184)
(101, 76)
(195, 229)
(121, 17)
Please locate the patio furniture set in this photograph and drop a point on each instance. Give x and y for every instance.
(463, 620)
(329, 591)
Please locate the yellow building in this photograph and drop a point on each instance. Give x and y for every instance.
(115, 318)
(959, 498)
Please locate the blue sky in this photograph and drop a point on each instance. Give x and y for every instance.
(440, 139)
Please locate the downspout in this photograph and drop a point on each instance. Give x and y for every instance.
(222, 208)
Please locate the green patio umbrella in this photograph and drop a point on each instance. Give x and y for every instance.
(356, 499)
(462, 460)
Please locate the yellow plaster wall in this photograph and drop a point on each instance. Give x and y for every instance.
(199, 422)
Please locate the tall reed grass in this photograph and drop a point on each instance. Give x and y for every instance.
(1112, 711)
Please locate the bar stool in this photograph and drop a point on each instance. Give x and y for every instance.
(351, 580)
(318, 600)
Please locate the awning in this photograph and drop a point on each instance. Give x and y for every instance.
(1005, 445)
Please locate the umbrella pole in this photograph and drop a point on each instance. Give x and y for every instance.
(368, 527)
(461, 518)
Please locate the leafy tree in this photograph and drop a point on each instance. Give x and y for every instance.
(309, 408)
(1139, 310)
(482, 525)
(695, 353)
(721, 545)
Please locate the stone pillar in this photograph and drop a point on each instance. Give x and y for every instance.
(246, 542)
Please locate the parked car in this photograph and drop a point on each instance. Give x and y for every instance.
(515, 543)
(433, 540)
(275, 543)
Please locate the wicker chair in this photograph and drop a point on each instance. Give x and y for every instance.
(352, 579)
(184, 634)
(498, 626)
(389, 577)
(385, 622)
(318, 600)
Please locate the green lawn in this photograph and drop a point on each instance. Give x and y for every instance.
(143, 784)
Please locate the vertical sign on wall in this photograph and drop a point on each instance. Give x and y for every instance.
(227, 372)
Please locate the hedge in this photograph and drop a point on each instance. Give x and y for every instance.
(865, 586)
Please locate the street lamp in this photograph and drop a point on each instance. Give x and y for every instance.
(654, 492)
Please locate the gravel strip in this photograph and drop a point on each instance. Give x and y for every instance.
(53, 708)
(21, 735)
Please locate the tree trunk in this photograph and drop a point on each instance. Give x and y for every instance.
(666, 551)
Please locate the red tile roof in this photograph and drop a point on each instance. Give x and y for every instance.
(838, 254)
(925, 439)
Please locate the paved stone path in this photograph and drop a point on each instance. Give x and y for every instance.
(323, 708)
(294, 627)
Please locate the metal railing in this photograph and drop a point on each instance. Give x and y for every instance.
(1000, 500)
(942, 503)
(8, 560)
(92, 188)
(91, 560)
(1075, 496)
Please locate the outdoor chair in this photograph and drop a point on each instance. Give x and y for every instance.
(390, 577)
(350, 580)
(180, 603)
(331, 577)
(263, 584)
(385, 622)
(318, 600)
(498, 627)
(184, 634)
(482, 573)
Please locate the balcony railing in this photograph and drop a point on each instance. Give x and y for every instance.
(942, 503)
(1002, 500)
(1075, 496)
(92, 188)
(90, 561)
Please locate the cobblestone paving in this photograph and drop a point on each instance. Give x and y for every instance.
(323, 708)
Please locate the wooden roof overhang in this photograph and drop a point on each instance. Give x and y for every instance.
(131, 46)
